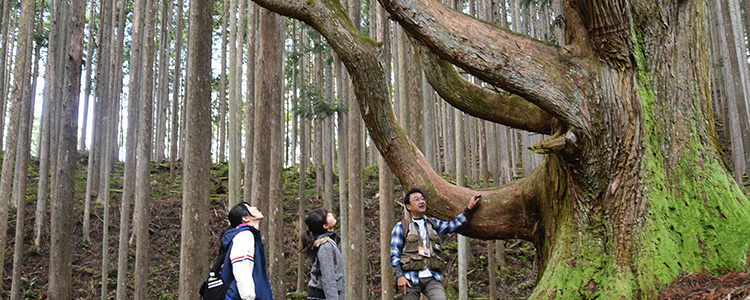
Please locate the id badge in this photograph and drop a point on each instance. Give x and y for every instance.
(424, 252)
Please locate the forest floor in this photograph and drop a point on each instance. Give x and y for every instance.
(515, 280)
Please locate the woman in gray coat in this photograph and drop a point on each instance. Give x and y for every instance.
(320, 243)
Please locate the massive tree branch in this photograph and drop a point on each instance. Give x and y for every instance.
(484, 103)
(511, 211)
(545, 75)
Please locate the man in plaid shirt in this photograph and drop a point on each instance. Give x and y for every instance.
(415, 248)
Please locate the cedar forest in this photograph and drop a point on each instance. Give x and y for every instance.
(610, 141)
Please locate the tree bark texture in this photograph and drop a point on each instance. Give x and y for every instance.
(131, 148)
(196, 183)
(270, 58)
(21, 169)
(252, 30)
(225, 9)
(263, 125)
(61, 235)
(22, 77)
(632, 156)
(165, 40)
(175, 136)
(235, 105)
(143, 165)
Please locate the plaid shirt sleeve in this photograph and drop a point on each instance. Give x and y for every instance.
(397, 244)
(444, 227)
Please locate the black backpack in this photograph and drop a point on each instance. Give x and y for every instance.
(214, 288)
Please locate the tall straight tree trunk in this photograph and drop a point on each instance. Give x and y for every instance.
(263, 125)
(196, 183)
(302, 201)
(22, 164)
(463, 241)
(174, 138)
(101, 117)
(252, 28)
(329, 138)
(46, 137)
(134, 104)
(295, 100)
(402, 51)
(237, 148)
(356, 285)
(235, 106)
(318, 139)
(143, 179)
(416, 98)
(733, 89)
(738, 64)
(59, 83)
(270, 54)
(110, 144)
(89, 62)
(343, 146)
(484, 171)
(21, 78)
(53, 107)
(428, 125)
(61, 236)
(4, 65)
(117, 83)
(387, 282)
(385, 178)
(225, 15)
(471, 147)
(163, 100)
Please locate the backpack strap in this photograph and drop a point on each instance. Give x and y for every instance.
(219, 261)
(432, 222)
(405, 226)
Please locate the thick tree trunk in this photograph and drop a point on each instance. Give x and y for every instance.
(387, 282)
(342, 133)
(318, 140)
(22, 164)
(356, 284)
(197, 165)
(235, 106)
(141, 217)
(252, 29)
(61, 235)
(22, 77)
(263, 125)
(134, 100)
(270, 53)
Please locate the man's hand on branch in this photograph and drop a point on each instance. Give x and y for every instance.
(474, 201)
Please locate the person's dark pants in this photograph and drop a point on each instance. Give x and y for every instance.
(431, 288)
(315, 294)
